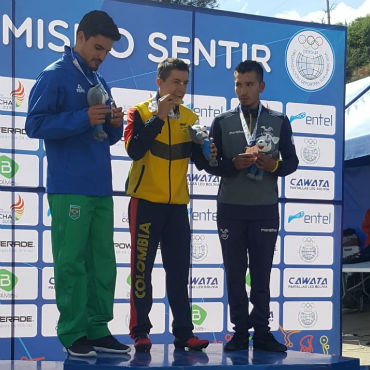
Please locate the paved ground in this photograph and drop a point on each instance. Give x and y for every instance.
(356, 334)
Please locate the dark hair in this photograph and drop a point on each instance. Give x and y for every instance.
(96, 23)
(249, 66)
(164, 68)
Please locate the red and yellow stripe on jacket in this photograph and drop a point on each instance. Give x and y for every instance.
(160, 175)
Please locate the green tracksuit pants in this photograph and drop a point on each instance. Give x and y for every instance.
(84, 264)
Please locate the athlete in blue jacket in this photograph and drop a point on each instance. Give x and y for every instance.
(69, 108)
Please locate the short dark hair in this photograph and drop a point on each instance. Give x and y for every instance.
(249, 66)
(164, 68)
(98, 22)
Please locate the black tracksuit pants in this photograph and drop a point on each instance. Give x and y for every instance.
(248, 242)
(151, 223)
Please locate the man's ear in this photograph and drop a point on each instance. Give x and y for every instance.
(80, 36)
(158, 81)
(262, 86)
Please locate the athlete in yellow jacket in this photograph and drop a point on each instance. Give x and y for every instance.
(158, 140)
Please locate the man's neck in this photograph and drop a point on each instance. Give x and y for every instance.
(81, 59)
(251, 107)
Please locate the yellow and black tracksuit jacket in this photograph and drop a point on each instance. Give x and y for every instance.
(161, 151)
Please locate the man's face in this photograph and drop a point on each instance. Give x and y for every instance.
(93, 50)
(175, 84)
(248, 89)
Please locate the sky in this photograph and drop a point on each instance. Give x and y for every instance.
(344, 11)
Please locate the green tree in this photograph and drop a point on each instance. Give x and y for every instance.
(199, 3)
(358, 49)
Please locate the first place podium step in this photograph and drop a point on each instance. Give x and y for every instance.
(165, 356)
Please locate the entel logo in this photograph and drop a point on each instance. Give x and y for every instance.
(311, 219)
(206, 111)
(206, 215)
(313, 120)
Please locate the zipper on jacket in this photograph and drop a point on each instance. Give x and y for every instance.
(169, 160)
(140, 178)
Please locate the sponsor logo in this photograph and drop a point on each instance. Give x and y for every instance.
(310, 184)
(297, 116)
(13, 131)
(310, 151)
(17, 208)
(309, 60)
(308, 282)
(302, 183)
(80, 89)
(307, 315)
(324, 341)
(206, 215)
(271, 230)
(202, 179)
(198, 314)
(204, 282)
(122, 246)
(304, 217)
(16, 243)
(313, 120)
(293, 217)
(74, 212)
(18, 94)
(8, 167)
(311, 219)
(308, 250)
(306, 343)
(6, 102)
(224, 233)
(287, 334)
(16, 318)
(207, 111)
(7, 280)
(199, 247)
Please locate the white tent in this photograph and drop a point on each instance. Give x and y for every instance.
(356, 176)
(357, 119)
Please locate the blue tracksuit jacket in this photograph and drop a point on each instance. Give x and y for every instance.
(77, 163)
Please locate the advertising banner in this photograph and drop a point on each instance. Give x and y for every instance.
(304, 71)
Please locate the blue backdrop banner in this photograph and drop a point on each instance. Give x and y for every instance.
(304, 67)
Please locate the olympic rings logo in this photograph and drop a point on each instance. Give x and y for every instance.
(310, 41)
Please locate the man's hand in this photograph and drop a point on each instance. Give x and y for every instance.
(244, 160)
(213, 150)
(97, 114)
(165, 104)
(265, 162)
(116, 117)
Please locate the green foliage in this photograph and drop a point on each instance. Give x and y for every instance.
(358, 47)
